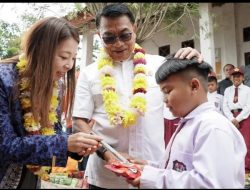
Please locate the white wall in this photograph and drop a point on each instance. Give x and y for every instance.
(225, 34)
(229, 21)
(242, 21)
(163, 38)
(86, 49)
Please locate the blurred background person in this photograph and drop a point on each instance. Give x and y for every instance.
(227, 69)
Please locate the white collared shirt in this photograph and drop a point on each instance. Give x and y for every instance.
(208, 152)
(217, 100)
(145, 140)
(243, 102)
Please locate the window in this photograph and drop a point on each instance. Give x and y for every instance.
(217, 4)
(246, 34)
(188, 43)
(247, 58)
(164, 50)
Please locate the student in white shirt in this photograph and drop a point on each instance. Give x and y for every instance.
(206, 151)
(237, 109)
(212, 95)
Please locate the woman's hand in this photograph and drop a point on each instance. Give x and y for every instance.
(83, 143)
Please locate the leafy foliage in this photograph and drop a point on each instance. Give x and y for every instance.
(10, 34)
(150, 19)
(153, 17)
(9, 39)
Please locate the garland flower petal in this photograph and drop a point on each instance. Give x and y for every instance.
(117, 115)
(31, 126)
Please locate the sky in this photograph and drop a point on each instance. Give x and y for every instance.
(10, 12)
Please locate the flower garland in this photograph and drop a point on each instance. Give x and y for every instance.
(137, 107)
(31, 126)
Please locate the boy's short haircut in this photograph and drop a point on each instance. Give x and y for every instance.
(192, 68)
(211, 79)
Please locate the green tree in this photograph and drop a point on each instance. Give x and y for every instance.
(150, 17)
(10, 34)
(9, 39)
(35, 12)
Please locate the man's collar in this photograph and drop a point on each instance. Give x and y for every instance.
(129, 58)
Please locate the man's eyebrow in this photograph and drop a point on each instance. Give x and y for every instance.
(110, 33)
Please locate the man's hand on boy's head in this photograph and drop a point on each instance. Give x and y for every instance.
(188, 53)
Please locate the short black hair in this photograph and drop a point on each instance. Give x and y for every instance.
(211, 79)
(114, 10)
(173, 65)
(229, 64)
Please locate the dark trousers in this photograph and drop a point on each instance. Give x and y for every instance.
(94, 187)
(83, 164)
(28, 180)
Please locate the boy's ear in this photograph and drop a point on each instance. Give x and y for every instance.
(195, 84)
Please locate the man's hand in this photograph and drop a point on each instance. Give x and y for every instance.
(82, 125)
(109, 157)
(188, 53)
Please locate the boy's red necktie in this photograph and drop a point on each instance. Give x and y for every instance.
(236, 95)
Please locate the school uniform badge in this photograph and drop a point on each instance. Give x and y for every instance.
(179, 166)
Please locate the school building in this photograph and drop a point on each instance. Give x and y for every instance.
(223, 31)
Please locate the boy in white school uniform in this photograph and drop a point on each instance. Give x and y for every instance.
(206, 150)
(212, 95)
(236, 107)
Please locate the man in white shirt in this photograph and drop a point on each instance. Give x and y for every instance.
(236, 107)
(120, 93)
(206, 151)
(222, 85)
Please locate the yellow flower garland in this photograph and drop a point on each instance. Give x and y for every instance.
(137, 107)
(30, 125)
